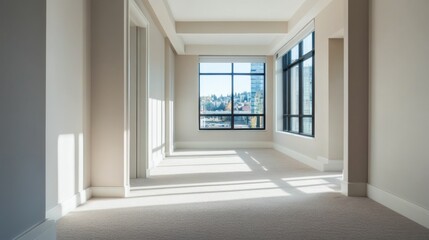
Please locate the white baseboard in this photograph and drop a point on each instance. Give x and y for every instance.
(114, 192)
(43, 231)
(329, 165)
(354, 189)
(223, 144)
(400, 205)
(65, 207)
(300, 157)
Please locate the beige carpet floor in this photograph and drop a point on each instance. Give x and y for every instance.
(236, 194)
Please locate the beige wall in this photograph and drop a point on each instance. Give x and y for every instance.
(186, 108)
(327, 25)
(108, 77)
(336, 98)
(108, 96)
(399, 156)
(67, 100)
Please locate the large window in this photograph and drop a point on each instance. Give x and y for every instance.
(298, 88)
(232, 95)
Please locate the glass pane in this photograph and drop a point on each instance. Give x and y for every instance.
(248, 67)
(215, 122)
(286, 123)
(249, 94)
(294, 124)
(215, 94)
(307, 85)
(307, 44)
(249, 122)
(294, 90)
(294, 54)
(215, 67)
(307, 126)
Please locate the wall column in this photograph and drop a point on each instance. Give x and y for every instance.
(109, 93)
(356, 74)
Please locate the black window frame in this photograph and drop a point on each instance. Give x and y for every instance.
(232, 114)
(287, 65)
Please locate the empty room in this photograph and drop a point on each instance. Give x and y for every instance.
(202, 119)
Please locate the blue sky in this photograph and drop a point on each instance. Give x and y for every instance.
(221, 84)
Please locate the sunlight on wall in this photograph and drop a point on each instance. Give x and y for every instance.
(71, 170)
(80, 173)
(156, 131)
(66, 166)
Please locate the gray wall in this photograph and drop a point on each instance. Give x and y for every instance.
(399, 156)
(22, 121)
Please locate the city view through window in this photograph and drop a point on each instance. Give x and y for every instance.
(232, 95)
(298, 90)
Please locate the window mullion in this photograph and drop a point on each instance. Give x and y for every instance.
(232, 96)
(246, 121)
(300, 86)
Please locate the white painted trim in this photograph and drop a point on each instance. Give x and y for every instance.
(232, 27)
(226, 50)
(68, 205)
(354, 189)
(223, 145)
(234, 59)
(43, 231)
(329, 165)
(113, 192)
(400, 205)
(300, 35)
(168, 24)
(137, 16)
(306, 13)
(299, 157)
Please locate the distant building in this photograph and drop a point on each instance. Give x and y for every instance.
(257, 91)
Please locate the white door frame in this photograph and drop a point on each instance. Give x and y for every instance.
(138, 19)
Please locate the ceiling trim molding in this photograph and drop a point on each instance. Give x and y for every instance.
(305, 14)
(247, 27)
(227, 50)
(137, 16)
(167, 22)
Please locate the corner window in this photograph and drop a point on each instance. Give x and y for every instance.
(232, 95)
(298, 88)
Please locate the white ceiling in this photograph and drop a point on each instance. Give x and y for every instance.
(233, 10)
(234, 27)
